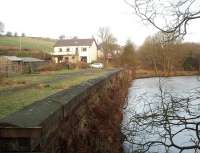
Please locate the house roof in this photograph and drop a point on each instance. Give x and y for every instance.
(74, 42)
(23, 59)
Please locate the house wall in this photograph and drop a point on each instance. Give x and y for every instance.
(91, 53)
(64, 50)
(65, 58)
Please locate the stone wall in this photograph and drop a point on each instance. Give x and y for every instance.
(83, 119)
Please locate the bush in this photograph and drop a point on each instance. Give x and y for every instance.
(191, 63)
(54, 67)
(28, 53)
(82, 65)
(9, 34)
(23, 54)
(1, 77)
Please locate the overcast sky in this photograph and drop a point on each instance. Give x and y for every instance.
(82, 18)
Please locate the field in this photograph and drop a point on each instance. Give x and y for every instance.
(19, 91)
(27, 43)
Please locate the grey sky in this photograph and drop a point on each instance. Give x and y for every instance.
(82, 18)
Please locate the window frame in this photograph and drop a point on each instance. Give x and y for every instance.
(84, 49)
(68, 50)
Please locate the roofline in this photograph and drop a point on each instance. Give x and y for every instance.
(78, 39)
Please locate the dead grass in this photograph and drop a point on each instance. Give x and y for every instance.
(15, 100)
(142, 73)
(28, 79)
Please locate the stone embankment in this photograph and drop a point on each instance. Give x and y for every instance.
(83, 119)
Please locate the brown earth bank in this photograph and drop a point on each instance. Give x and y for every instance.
(142, 73)
(96, 126)
(25, 52)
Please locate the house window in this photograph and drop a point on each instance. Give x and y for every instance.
(84, 49)
(73, 57)
(60, 49)
(68, 49)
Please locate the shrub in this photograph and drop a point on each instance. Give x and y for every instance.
(191, 63)
(9, 34)
(54, 67)
(23, 54)
(82, 65)
(1, 77)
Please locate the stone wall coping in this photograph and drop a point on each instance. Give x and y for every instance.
(34, 115)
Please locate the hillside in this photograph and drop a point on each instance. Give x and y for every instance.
(27, 43)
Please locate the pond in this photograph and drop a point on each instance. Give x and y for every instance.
(162, 115)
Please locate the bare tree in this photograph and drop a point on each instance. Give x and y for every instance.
(9, 34)
(168, 123)
(61, 37)
(127, 57)
(107, 39)
(23, 35)
(16, 34)
(159, 54)
(169, 16)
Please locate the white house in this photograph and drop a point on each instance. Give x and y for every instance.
(74, 50)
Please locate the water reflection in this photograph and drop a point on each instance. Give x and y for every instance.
(161, 111)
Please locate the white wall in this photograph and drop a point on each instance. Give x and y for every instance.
(90, 53)
(93, 52)
(64, 50)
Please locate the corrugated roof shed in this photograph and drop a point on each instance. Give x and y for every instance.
(30, 59)
(12, 58)
(22, 59)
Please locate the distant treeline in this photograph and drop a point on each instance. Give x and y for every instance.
(168, 56)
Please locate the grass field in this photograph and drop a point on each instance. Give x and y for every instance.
(36, 44)
(43, 85)
(28, 79)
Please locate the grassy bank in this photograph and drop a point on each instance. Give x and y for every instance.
(27, 43)
(36, 87)
(141, 73)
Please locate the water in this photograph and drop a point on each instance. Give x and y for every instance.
(148, 96)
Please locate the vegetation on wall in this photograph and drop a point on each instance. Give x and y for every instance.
(95, 126)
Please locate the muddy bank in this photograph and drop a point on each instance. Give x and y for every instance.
(140, 73)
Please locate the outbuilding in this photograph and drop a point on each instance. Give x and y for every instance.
(15, 65)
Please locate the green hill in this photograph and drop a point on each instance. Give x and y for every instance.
(27, 44)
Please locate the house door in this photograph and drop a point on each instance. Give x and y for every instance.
(66, 59)
(60, 58)
(84, 59)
